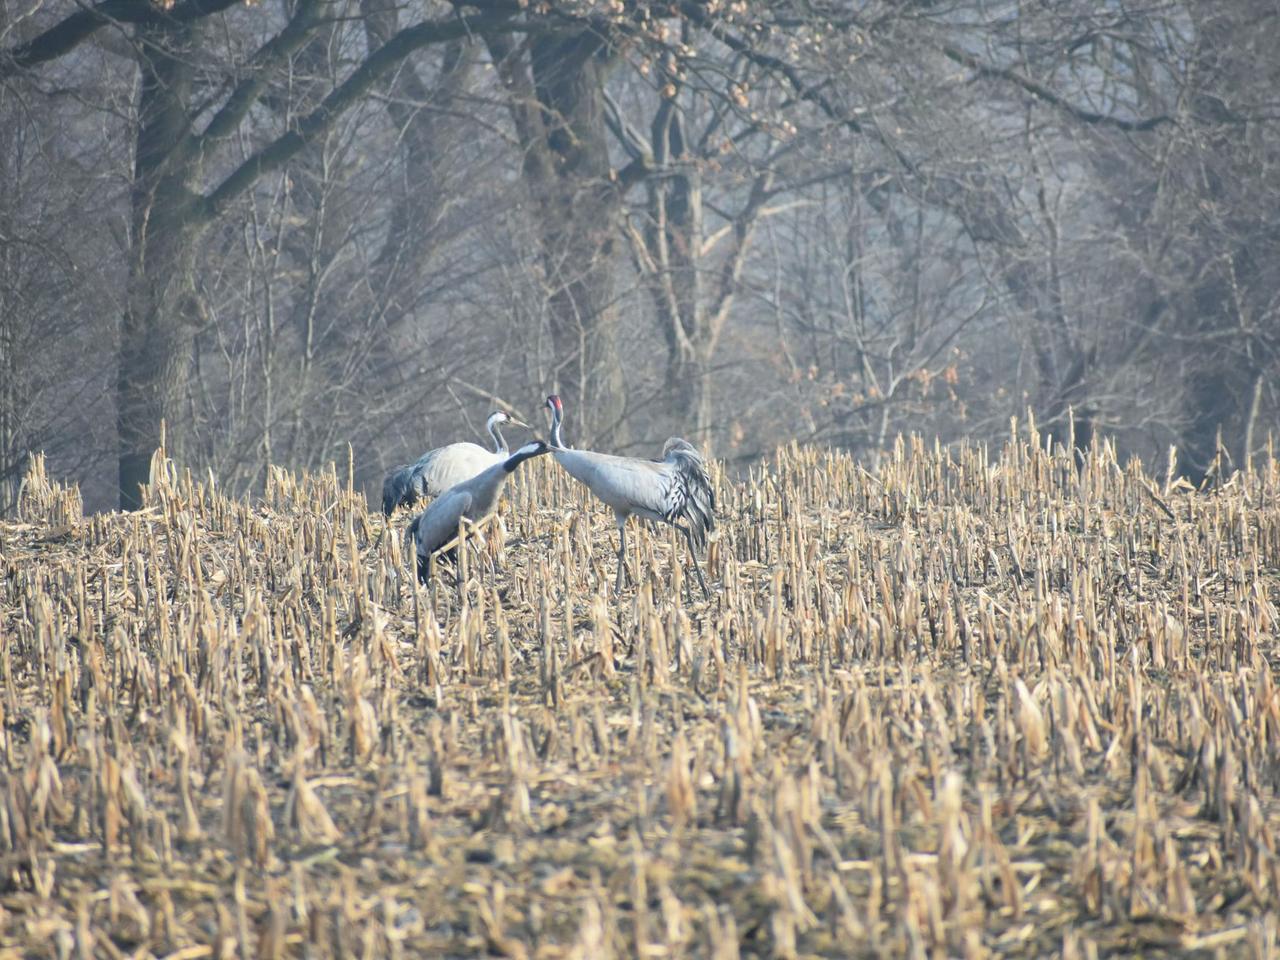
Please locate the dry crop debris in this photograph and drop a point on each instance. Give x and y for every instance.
(967, 705)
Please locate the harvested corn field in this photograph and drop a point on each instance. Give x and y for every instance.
(963, 705)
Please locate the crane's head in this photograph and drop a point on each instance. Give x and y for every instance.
(554, 404)
(501, 416)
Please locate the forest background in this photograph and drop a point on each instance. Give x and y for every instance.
(288, 226)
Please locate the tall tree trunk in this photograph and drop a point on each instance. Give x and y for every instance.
(1234, 290)
(8, 318)
(158, 327)
(692, 312)
(10, 399)
(558, 107)
(673, 238)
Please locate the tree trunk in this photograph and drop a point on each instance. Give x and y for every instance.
(558, 108)
(9, 396)
(673, 237)
(1234, 290)
(692, 313)
(158, 328)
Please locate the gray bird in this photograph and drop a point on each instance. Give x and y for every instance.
(675, 490)
(473, 499)
(439, 469)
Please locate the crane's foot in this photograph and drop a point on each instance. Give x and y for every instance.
(428, 565)
(705, 592)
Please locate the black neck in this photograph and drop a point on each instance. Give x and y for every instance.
(519, 457)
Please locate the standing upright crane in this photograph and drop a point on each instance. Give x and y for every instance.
(472, 499)
(675, 490)
(439, 469)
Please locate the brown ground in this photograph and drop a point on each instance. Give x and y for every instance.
(958, 707)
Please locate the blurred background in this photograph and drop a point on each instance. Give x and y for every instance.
(285, 227)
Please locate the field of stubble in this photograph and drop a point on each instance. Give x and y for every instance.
(967, 705)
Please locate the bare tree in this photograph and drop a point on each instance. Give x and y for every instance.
(360, 222)
(183, 183)
(55, 243)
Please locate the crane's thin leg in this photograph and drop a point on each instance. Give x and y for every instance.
(686, 585)
(693, 558)
(433, 563)
(622, 555)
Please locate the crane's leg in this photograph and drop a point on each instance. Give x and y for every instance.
(686, 585)
(693, 558)
(622, 555)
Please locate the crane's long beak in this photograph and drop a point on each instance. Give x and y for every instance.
(517, 423)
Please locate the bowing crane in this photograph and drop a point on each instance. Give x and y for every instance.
(472, 499)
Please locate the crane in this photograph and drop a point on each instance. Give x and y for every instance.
(472, 499)
(675, 489)
(439, 469)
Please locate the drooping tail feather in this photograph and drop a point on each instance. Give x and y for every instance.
(393, 489)
(695, 498)
(403, 487)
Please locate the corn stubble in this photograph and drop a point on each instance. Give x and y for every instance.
(964, 706)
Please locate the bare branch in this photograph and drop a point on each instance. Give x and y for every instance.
(244, 96)
(277, 153)
(1041, 92)
(64, 35)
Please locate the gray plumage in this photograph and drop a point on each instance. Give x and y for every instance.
(439, 469)
(676, 489)
(474, 499)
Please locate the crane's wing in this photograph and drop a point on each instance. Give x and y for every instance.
(422, 468)
(627, 484)
(439, 469)
(437, 524)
